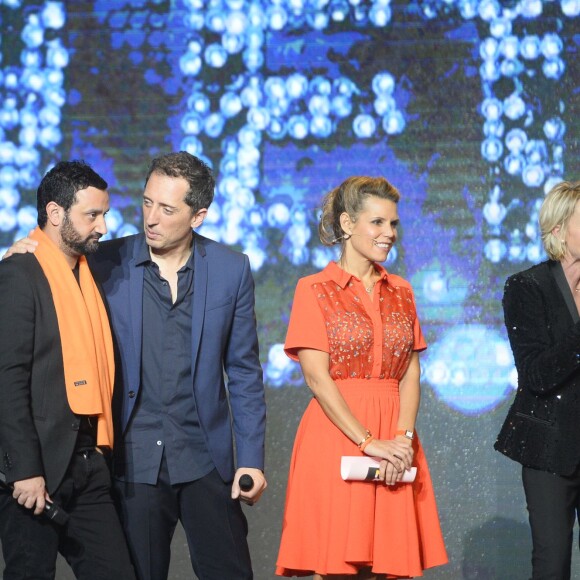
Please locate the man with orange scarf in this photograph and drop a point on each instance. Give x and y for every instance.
(56, 382)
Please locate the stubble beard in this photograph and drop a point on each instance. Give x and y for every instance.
(73, 243)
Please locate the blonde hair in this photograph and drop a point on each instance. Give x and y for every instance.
(556, 210)
(349, 197)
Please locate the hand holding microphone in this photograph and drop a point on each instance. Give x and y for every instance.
(51, 510)
(246, 482)
(251, 483)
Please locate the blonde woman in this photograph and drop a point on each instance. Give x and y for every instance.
(542, 429)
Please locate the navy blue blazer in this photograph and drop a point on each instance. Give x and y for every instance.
(223, 341)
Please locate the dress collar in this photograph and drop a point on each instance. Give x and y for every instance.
(342, 277)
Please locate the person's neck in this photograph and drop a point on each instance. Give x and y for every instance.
(571, 269)
(361, 268)
(172, 259)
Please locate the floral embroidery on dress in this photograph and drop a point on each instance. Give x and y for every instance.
(351, 332)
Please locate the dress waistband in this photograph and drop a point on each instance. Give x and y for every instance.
(372, 384)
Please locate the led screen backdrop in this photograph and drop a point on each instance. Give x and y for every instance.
(470, 107)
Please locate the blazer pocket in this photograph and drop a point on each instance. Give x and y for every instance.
(219, 303)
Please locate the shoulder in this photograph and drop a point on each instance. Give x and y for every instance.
(221, 258)
(19, 266)
(306, 283)
(21, 277)
(537, 275)
(116, 246)
(398, 282)
(214, 249)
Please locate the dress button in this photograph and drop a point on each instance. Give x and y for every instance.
(131, 394)
(159, 442)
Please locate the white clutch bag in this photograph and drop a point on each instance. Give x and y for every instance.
(367, 469)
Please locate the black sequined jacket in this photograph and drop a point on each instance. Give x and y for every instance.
(542, 428)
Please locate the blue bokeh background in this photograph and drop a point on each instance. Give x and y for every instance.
(470, 107)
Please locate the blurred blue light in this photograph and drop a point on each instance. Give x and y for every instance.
(9, 196)
(364, 126)
(277, 17)
(514, 107)
(298, 126)
(215, 55)
(469, 368)
(394, 123)
(489, 48)
(530, 8)
(554, 129)
(500, 27)
(190, 64)
(380, 15)
(56, 54)
(554, 68)
(214, 124)
(296, 85)
(551, 46)
(530, 47)
(533, 175)
(321, 126)
(570, 8)
(32, 34)
(492, 108)
(491, 149)
(27, 216)
(516, 140)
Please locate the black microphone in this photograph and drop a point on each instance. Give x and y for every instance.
(55, 513)
(246, 482)
(51, 510)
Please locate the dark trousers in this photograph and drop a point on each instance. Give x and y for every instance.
(553, 505)
(92, 541)
(214, 524)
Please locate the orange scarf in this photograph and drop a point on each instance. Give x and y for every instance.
(85, 336)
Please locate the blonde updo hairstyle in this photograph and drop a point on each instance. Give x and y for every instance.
(350, 197)
(556, 210)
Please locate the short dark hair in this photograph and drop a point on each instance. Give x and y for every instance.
(197, 174)
(61, 184)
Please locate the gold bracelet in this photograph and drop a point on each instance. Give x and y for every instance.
(367, 436)
(364, 444)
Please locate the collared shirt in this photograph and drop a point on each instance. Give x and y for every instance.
(165, 418)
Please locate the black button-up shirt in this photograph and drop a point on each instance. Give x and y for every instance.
(165, 418)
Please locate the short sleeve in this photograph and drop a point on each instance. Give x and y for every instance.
(306, 328)
(419, 342)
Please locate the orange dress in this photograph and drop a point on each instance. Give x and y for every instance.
(333, 526)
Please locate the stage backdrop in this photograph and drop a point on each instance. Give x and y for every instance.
(469, 107)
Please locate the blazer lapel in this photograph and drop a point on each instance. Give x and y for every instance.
(200, 282)
(135, 300)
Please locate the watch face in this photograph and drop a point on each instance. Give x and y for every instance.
(409, 434)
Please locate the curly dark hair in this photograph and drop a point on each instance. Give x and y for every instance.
(61, 184)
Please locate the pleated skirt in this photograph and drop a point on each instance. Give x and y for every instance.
(333, 526)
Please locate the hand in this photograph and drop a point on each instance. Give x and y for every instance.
(21, 246)
(253, 495)
(31, 493)
(397, 453)
(388, 473)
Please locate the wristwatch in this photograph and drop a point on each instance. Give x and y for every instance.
(408, 433)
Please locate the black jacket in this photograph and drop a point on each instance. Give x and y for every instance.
(38, 430)
(542, 428)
